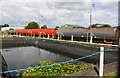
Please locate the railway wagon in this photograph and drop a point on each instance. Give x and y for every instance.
(99, 34)
(110, 34)
(37, 31)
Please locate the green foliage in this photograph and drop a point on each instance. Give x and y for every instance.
(11, 29)
(106, 25)
(57, 70)
(5, 25)
(57, 27)
(32, 25)
(1, 25)
(44, 27)
(99, 25)
(6, 37)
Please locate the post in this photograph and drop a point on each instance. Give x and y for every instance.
(87, 36)
(48, 36)
(31, 34)
(52, 36)
(58, 35)
(34, 35)
(119, 43)
(91, 35)
(16, 34)
(91, 38)
(40, 34)
(19, 35)
(101, 61)
(71, 37)
(43, 35)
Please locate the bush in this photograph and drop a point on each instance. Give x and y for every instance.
(57, 70)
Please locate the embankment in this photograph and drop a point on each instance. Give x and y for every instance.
(68, 49)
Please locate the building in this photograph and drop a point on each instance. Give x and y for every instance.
(71, 26)
(11, 28)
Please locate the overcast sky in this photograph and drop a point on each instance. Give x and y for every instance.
(58, 12)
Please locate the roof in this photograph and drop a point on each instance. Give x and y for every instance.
(71, 26)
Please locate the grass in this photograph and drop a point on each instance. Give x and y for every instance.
(6, 37)
(111, 75)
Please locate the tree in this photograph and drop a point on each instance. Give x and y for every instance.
(44, 27)
(1, 25)
(57, 27)
(32, 25)
(106, 25)
(99, 25)
(5, 25)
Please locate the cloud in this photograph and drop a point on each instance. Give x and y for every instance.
(73, 5)
(106, 0)
(57, 13)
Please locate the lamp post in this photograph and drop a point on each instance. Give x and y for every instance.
(39, 21)
(91, 35)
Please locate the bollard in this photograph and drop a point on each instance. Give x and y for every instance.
(101, 61)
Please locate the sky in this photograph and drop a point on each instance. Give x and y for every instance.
(58, 12)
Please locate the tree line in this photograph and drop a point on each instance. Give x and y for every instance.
(35, 25)
(5, 25)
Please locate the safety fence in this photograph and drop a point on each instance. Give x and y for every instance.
(59, 63)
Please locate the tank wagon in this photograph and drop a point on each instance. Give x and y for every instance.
(45, 32)
(99, 34)
(108, 35)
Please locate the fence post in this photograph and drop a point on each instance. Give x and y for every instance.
(101, 61)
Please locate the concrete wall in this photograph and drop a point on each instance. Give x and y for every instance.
(67, 49)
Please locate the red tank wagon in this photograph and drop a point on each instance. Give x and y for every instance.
(37, 31)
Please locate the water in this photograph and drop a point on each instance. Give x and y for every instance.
(23, 57)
